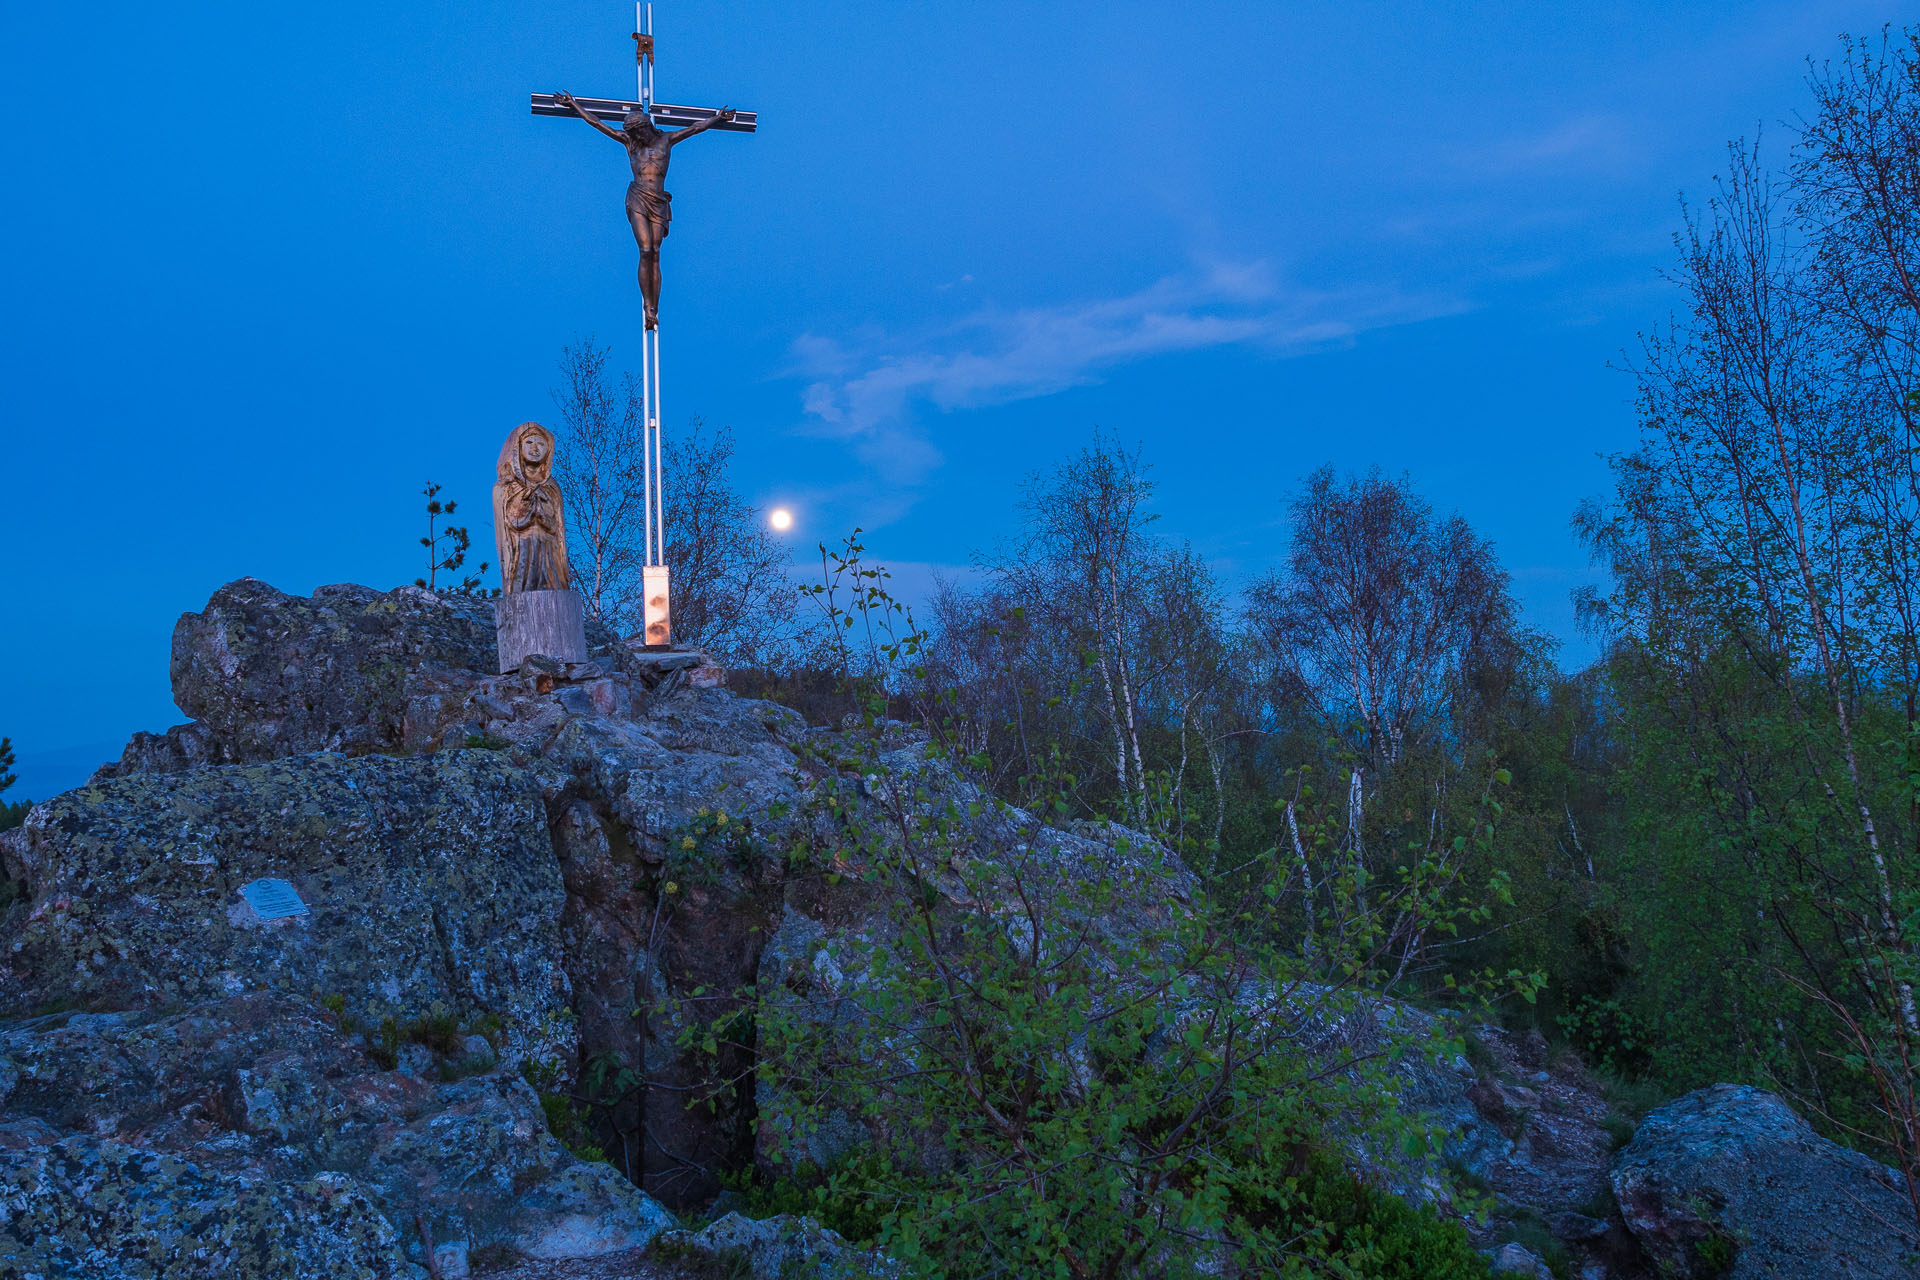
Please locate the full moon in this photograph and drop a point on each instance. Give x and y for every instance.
(781, 518)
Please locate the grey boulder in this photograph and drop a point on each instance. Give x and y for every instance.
(257, 1137)
(428, 882)
(779, 1248)
(266, 675)
(84, 1207)
(1728, 1182)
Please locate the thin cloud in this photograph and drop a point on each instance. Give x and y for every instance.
(1587, 142)
(869, 392)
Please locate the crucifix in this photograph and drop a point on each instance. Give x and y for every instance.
(649, 213)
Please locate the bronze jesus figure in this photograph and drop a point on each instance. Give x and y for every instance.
(649, 207)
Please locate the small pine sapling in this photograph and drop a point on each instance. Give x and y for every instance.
(446, 547)
(11, 815)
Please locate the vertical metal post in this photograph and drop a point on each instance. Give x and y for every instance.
(646, 429)
(655, 587)
(659, 452)
(655, 581)
(643, 69)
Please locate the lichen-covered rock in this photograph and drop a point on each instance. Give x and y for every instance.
(266, 674)
(1532, 1130)
(269, 1091)
(1729, 1182)
(779, 1248)
(428, 882)
(88, 1209)
(658, 934)
(1514, 1260)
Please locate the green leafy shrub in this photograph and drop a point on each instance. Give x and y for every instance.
(1608, 1034)
(1022, 1063)
(1370, 1234)
(844, 1203)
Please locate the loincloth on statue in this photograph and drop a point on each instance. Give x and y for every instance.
(651, 203)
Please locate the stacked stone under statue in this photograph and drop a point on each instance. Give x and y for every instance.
(538, 611)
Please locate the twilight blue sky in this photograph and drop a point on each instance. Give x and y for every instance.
(272, 266)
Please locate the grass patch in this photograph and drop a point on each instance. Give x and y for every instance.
(495, 1255)
(1629, 1097)
(696, 1263)
(1531, 1233)
(564, 1121)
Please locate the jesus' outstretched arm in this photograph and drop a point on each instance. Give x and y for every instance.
(566, 100)
(723, 116)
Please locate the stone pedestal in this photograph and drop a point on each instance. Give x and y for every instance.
(655, 666)
(550, 623)
(656, 593)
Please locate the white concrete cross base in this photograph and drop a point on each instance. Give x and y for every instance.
(657, 614)
(550, 623)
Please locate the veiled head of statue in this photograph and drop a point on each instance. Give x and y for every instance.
(528, 455)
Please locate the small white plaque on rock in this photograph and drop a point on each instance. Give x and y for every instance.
(272, 899)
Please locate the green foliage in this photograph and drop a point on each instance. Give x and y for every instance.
(438, 1029)
(565, 1120)
(1607, 1034)
(1715, 1253)
(1376, 1236)
(843, 1203)
(1072, 1082)
(1530, 1232)
(569, 1124)
(700, 851)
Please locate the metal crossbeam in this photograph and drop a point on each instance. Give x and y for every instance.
(665, 116)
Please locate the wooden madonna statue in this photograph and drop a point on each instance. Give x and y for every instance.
(538, 612)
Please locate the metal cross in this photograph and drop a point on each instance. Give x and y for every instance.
(654, 577)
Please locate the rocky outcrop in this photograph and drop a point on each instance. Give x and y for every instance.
(260, 1136)
(589, 883)
(1514, 1260)
(1729, 1182)
(427, 882)
(1536, 1132)
(85, 1207)
(266, 675)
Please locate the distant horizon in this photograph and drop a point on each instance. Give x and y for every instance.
(1412, 240)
